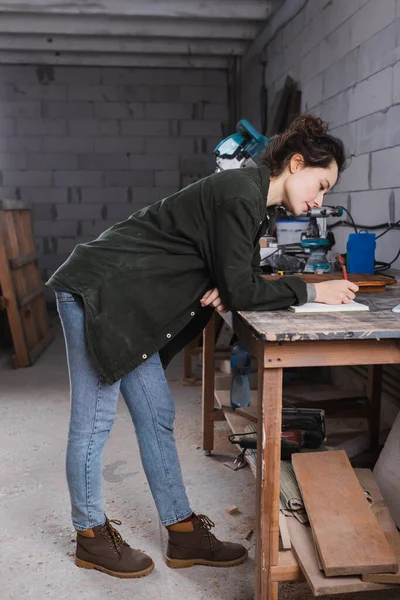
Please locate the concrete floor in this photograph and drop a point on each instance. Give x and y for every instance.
(36, 535)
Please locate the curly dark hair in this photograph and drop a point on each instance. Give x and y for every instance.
(307, 135)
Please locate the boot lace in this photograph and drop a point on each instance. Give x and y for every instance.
(112, 535)
(206, 525)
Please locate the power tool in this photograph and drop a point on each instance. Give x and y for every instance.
(241, 149)
(316, 241)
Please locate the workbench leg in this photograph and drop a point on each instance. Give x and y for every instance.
(208, 384)
(268, 479)
(374, 393)
(187, 363)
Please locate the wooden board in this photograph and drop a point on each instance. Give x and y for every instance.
(277, 119)
(287, 569)
(348, 537)
(305, 553)
(284, 535)
(22, 288)
(362, 280)
(388, 526)
(387, 471)
(250, 413)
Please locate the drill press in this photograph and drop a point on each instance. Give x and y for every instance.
(315, 240)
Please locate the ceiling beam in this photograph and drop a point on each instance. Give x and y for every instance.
(125, 26)
(115, 60)
(240, 10)
(120, 45)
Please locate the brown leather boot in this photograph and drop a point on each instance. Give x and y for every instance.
(103, 548)
(192, 543)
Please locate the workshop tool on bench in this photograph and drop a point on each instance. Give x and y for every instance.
(316, 241)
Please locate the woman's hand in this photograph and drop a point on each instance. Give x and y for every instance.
(335, 292)
(213, 298)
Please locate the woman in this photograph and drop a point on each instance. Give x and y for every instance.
(134, 297)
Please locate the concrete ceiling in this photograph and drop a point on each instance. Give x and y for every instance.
(171, 33)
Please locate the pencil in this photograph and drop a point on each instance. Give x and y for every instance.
(343, 265)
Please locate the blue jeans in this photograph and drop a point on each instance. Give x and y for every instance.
(93, 406)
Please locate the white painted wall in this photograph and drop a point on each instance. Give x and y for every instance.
(89, 146)
(345, 55)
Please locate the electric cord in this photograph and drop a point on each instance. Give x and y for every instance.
(386, 266)
(388, 229)
(350, 217)
(371, 227)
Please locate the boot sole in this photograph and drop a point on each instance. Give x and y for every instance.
(83, 564)
(178, 563)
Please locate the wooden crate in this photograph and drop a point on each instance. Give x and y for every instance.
(22, 291)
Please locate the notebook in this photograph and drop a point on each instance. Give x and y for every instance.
(317, 307)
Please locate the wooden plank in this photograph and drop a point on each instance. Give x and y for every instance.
(31, 295)
(387, 471)
(334, 353)
(25, 288)
(21, 286)
(277, 121)
(305, 553)
(268, 478)
(284, 532)
(17, 263)
(348, 537)
(287, 569)
(294, 109)
(14, 318)
(31, 272)
(384, 349)
(249, 412)
(388, 526)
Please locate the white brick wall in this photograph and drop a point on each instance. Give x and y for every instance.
(345, 56)
(87, 147)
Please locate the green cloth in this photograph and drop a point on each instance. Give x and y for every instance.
(141, 281)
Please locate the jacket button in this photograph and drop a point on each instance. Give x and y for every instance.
(168, 335)
(192, 314)
(144, 356)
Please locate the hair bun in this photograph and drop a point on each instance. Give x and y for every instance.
(308, 136)
(309, 125)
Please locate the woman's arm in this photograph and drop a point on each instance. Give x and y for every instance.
(240, 285)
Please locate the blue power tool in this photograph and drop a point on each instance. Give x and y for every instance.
(314, 241)
(241, 149)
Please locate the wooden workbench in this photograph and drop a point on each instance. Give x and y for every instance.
(282, 339)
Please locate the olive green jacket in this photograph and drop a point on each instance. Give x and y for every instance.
(141, 281)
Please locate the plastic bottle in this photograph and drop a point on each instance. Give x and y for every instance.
(240, 387)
